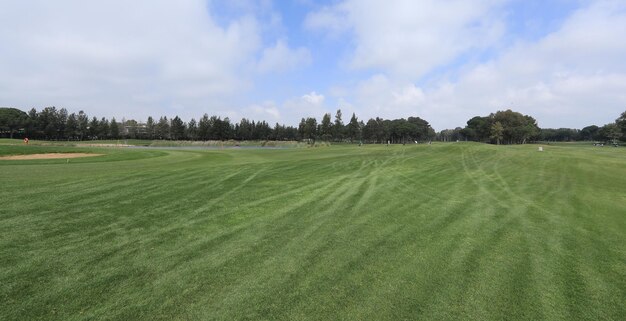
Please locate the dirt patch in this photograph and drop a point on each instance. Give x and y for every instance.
(48, 156)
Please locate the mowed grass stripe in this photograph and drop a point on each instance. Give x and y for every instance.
(448, 231)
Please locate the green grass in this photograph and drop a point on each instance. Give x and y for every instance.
(20, 142)
(156, 143)
(441, 232)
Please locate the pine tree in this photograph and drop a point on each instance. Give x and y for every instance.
(353, 128)
(114, 130)
(338, 127)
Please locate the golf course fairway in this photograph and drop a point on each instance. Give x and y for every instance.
(449, 231)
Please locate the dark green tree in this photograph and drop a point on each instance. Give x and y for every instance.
(559, 135)
(478, 129)
(244, 130)
(150, 128)
(610, 132)
(308, 128)
(12, 120)
(353, 129)
(48, 121)
(177, 128)
(497, 132)
(302, 128)
(376, 130)
(263, 131)
(32, 124)
(338, 127)
(83, 125)
(421, 129)
(204, 127)
(589, 133)
(71, 127)
(61, 122)
(114, 129)
(103, 128)
(192, 130)
(93, 130)
(326, 127)
(621, 124)
(162, 128)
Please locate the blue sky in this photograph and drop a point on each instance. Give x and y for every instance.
(560, 61)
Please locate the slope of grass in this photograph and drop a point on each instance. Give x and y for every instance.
(441, 232)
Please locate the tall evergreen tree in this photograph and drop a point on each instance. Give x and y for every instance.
(353, 129)
(192, 130)
(103, 128)
(338, 127)
(302, 128)
(162, 128)
(71, 127)
(177, 128)
(32, 126)
(48, 122)
(150, 128)
(61, 122)
(83, 125)
(93, 128)
(204, 127)
(325, 130)
(114, 130)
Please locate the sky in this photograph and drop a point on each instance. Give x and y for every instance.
(561, 61)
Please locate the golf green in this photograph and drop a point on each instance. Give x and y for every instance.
(457, 231)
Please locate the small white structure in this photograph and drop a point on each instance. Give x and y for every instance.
(540, 149)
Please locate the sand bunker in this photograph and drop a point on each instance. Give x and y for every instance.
(47, 156)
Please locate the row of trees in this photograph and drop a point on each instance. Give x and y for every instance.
(376, 130)
(52, 123)
(506, 127)
(511, 127)
(608, 132)
(57, 124)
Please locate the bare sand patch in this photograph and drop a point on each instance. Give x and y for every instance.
(48, 156)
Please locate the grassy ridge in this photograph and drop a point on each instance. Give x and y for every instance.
(450, 231)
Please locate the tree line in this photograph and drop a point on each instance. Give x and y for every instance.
(502, 127)
(509, 127)
(51, 123)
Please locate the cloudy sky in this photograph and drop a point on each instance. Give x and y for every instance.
(561, 61)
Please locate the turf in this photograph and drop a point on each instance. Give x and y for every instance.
(456, 231)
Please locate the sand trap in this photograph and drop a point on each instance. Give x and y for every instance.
(47, 156)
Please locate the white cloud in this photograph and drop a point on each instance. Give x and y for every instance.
(281, 58)
(379, 96)
(330, 19)
(313, 98)
(407, 37)
(267, 111)
(574, 76)
(139, 58)
(123, 58)
(307, 105)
